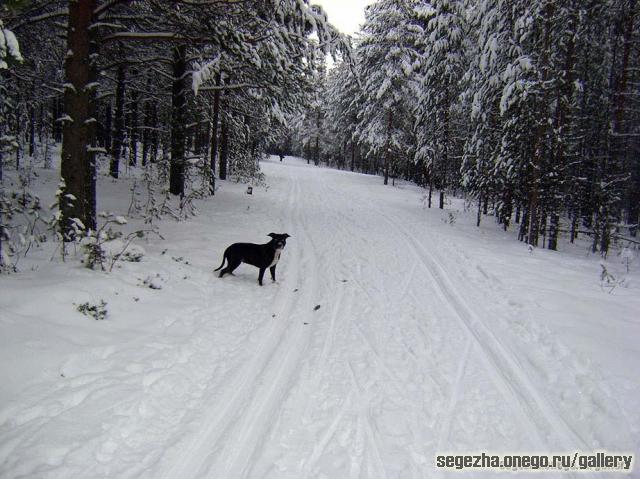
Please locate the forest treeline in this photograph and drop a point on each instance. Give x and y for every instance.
(197, 88)
(531, 108)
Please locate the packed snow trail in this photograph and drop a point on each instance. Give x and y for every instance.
(420, 346)
(345, 246)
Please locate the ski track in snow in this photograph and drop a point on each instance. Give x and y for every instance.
(237, 422)
(414, 351)
(536, 412)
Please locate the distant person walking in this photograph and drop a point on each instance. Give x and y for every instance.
(281, 156)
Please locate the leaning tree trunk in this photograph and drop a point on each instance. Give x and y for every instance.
(77, 201)
(430, 196)
(176, 171)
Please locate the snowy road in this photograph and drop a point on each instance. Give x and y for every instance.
(423, 344)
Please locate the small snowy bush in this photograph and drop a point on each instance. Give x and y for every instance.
(95, 311)
(93, 244)
(106, 247)
(22, 224)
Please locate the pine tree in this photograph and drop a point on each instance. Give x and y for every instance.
(442, 58)
(385, 65)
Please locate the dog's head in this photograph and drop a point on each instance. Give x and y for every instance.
(279, 240)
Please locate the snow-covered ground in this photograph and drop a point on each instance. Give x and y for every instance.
(430, 337)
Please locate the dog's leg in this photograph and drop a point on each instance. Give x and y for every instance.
(231, 265)
(273, 272)
(261, 275)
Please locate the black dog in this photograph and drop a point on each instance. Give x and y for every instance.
(262, 256)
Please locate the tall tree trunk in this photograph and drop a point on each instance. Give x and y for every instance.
(574, 227)
(445, 152)
(562, 105)
(108, 125)
(78, 163)
(353, 155)
(41, 122)
(524, 225)
(146, 132)
(506, 210)
(133, 128)
(118, 134)
(537, 159)
(178, 103)
(387, 147)
(224, 148)
(32, 130)
(16, 129)
(213, 151)
(56, 124)
(620, 127)
(554, 226)
(154, 135)
(316, 155)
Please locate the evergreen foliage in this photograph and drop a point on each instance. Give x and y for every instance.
(528, 108)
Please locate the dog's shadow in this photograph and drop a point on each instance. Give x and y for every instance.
(246, 278)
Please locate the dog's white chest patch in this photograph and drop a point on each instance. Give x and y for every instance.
(276, 258)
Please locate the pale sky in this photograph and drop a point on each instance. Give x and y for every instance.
(345, 15)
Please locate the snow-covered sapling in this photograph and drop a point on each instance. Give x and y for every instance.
(93, 243)
(607, 280)
(627, 257)
(21, 226)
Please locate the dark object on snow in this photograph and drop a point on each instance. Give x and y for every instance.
(249, 190)
(261, 256)
(317, 307)
(281, 157)
(295, 290)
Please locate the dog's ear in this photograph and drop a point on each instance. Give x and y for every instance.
(286, 235)
(273, 235)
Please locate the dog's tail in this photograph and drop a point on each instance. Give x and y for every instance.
(221, 264)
